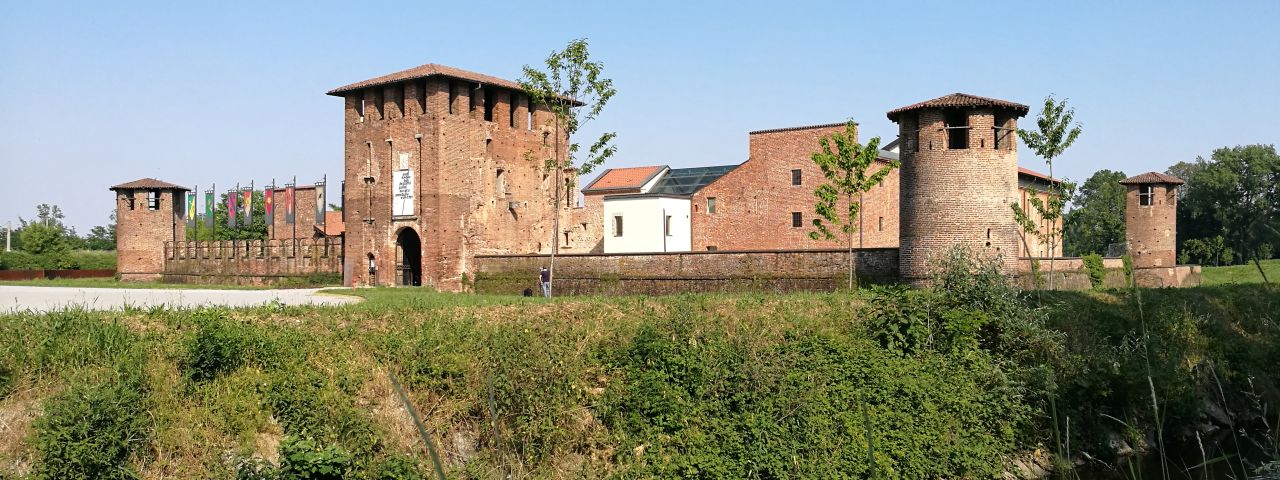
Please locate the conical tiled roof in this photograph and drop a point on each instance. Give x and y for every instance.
(960, 100)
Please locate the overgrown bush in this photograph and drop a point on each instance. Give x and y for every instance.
(91, 430)
(898, 319)
(217, 347)
(1094, 267)
(305, 458)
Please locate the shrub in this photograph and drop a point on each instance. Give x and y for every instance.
(18, 260)
(90, 431)
(898, 319)
(1094, 267)
(6, 379)
(218, 347)
(305, 458)
(1128, 268)
(398, 468)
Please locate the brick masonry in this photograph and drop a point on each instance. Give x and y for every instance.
(755, 202)
(252, 261)
(1152, 229)
(682, 272)
(956, 196)
(141, 233)
(480, 186)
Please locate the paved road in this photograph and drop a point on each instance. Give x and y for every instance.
(43, 299)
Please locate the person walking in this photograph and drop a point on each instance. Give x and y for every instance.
(544, 278)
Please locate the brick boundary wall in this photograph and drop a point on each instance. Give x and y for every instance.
(686, 272)
(1069, 274)
(253, 262)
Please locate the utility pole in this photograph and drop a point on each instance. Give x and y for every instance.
(8, 233)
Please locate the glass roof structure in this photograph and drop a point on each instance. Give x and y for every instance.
(685, 181)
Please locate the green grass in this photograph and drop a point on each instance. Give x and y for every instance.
(711, 386)
(113, 283)
(1241, 273)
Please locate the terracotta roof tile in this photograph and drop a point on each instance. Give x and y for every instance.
(1033, 173)
(428, 70)
(149, 183)
(333, 225)
(1152, 177)
(631, 178)
(960, 100)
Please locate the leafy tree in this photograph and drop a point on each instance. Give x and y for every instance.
(43, 239)
(845, 163)
(1054, 135)
(1236, 194)
(573, 87)
(102, 237)
(1097, 217)
(1208, 250)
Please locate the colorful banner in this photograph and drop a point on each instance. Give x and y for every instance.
(288, 205)
(232, 209)
(191, 209)
(269, 208)
(248, 208)
(320, 205)
(208, 209)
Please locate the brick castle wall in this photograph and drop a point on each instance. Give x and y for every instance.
(755, 202)
(956, 196)
(684, 272)
(463, 206)
(141, 232)
(1152, 229)
(251, 261)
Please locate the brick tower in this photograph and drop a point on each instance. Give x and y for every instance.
(959, 175)
(1151, 220)
(442, 164)
(149, 212)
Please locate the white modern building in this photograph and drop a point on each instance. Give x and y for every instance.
(648, 209)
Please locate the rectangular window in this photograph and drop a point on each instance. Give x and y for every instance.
(528, 107)
(511, 108)
(379, 104)
(453, 96)
(957, 126)
(422, 97)
(666, 226)
(796, 220)
(490, 101)
(795, 177)
(399, 98)
(711, 204)
(881, 224)
(153, 200)
(1146, 195)
(617, 225)
(360, 106)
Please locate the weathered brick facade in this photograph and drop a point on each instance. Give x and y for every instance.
(1151, 205)
(755, 203)
(149, 213)
(951, 195)
(480, 186)
(304, 198)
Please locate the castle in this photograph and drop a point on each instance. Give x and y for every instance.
(443, 166)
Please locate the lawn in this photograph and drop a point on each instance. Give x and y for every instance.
(1242, 273)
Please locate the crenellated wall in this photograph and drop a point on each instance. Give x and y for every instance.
(253, 262)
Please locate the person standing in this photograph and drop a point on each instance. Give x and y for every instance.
(544, 278)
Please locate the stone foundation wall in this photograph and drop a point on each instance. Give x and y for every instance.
(254, 262)
(685, 272)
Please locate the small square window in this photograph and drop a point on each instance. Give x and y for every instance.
(797, 220)
(795, 177)
(711, 204)
(1146, 195)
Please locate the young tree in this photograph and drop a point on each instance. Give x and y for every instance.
(1054, 134)
(573, 87)
(1097, 217)
(845, 164)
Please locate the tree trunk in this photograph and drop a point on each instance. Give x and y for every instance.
(850, 259)
(555, 215)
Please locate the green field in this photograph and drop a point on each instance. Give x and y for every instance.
(1242, 273)
(908, 384)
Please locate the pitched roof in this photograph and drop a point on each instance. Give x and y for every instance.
(959, 100)
(631, 178)
(424, 71)
(685, 181)
(149, 183)
(802, 127)
(333, 225)
(1152, 177)
(1033, 173)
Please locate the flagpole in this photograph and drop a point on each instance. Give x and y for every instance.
(195, 200)
(293, 205)
(273, 207)
(214, 234)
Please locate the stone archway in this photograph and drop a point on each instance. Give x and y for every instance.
(408, 258)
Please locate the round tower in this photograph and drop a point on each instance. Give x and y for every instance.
(1151, 220)
(959, 177)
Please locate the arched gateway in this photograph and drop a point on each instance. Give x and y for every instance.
(408, 258)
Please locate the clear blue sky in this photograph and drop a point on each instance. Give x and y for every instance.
(98, 93)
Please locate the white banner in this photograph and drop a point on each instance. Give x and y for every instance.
(402, 193)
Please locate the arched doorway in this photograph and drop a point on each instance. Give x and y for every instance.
(408, 258)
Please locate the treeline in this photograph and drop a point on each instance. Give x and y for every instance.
(1228, 211)
(45, 242)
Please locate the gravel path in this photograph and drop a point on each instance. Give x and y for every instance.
(43, 299)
